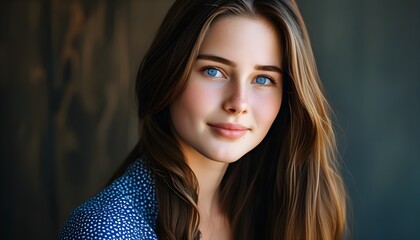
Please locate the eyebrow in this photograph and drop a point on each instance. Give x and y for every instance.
(216, 59)
(269, 68)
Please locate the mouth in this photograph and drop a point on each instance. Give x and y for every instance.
(228, 130)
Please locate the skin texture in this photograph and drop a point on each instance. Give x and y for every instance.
(222, 93)
(233, 95)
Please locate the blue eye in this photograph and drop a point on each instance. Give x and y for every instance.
(263, 80)
(213, 72)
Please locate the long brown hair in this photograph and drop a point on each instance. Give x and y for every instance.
(289, 186)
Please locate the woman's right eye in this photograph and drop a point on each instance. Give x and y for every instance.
(213, 72)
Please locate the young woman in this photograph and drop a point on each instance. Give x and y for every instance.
(236, 136)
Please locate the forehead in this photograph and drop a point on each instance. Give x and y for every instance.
(241, 38)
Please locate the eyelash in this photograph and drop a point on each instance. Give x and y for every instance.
(206, 68)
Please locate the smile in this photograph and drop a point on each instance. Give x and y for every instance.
(228, 130)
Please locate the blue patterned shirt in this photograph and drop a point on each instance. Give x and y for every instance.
(126, 209)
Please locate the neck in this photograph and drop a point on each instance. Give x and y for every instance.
(209, 175)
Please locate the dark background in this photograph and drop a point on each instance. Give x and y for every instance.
(67, 69)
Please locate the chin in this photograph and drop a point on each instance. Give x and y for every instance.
(225, 158)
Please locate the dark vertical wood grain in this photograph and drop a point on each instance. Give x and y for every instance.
(68, 109)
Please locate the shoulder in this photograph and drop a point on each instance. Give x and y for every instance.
(125, 209)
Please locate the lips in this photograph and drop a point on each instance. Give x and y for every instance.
(228, 130)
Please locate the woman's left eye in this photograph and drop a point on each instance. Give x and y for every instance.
(213, 72)
(264, 80)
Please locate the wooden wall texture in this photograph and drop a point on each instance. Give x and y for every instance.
(68, 108)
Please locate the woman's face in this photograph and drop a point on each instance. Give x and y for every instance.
(234, 90)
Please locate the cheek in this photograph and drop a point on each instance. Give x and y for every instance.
(192, 91)
(196, 101)
(266, 110)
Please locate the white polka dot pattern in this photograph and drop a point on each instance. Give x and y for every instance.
(127, 209)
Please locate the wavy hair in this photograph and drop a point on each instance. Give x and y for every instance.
(289, 186)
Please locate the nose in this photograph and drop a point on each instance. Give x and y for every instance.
(236, 101)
